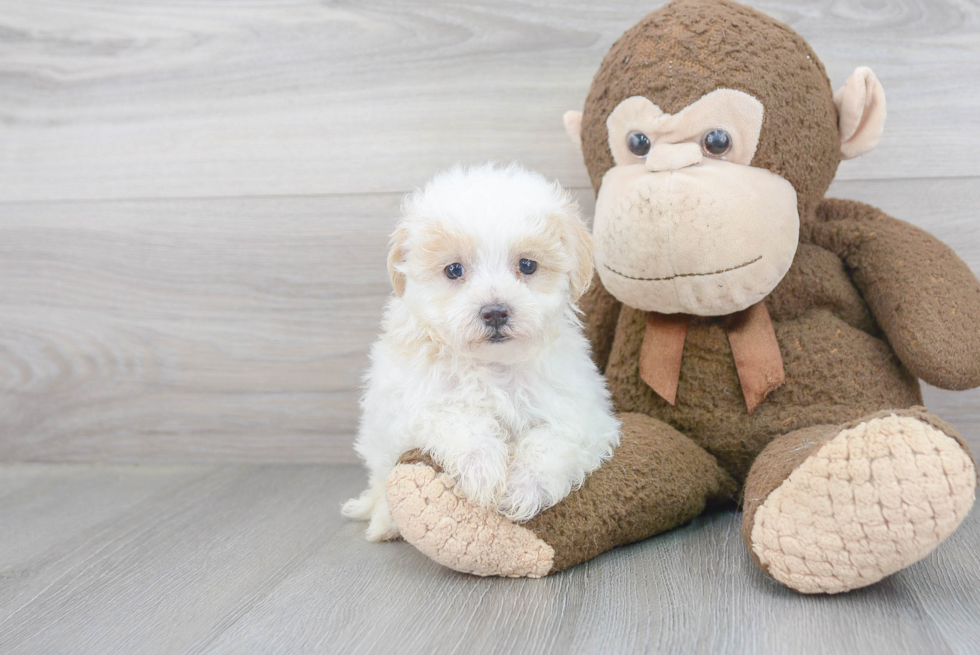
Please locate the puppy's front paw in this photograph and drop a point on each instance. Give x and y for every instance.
(382, 527)
(527, 494)
(482, 472)
(359, 508)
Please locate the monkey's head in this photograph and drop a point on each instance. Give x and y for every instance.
(709, 131)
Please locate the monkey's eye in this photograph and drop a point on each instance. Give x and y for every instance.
(455, 270)
(638, 143)
(527, 266)
(716, 143)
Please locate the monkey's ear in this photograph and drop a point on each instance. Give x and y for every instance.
(396, 255)
(861, 108)
(573, 126)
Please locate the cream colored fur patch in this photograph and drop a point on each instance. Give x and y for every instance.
(873, 500)
(436, 519)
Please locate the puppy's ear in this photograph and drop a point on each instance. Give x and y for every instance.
(578, 243)
(396, 256)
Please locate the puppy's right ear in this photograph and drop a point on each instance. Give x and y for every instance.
(573, 126)
(578, 244)
(396, 257)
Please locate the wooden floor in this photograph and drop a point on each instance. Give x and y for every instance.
(195, 199)
(256, 559)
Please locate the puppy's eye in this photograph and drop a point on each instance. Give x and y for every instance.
(455, 270)
(527, 266)
(716, 143)
(638, 143)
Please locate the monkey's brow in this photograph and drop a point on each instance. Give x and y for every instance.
(671, 277)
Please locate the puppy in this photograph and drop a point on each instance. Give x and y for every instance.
(483, 362)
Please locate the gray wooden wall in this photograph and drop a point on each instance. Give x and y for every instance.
(195, 196)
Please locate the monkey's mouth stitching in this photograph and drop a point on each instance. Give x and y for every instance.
(671, 277)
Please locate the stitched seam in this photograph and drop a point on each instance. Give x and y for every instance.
(671, 277)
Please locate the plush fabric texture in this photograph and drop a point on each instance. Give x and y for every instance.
(687, 49)
(783, 455)
(656, 480)
(925, 298)
(857, 503)
(651, 255)
(750, 336)
(861, 106)
(855, 318)
(834, 371)
(434, 517)
(868, 305)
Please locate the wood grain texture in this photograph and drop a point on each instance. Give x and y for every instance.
(188, 329)
(195, 197)
(194, 203)
(255, 559)
(143, 99)
(190, 556)
(237, 329)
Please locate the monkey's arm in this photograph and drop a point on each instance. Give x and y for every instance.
(601, 313)
(923, 296)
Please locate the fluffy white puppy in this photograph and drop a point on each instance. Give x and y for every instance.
(483, 362)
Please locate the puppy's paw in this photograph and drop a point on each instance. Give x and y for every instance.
(359, 508)
(528, 493)
(481, 472)
(382, 527)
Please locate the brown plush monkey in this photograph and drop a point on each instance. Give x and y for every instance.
(762, 343)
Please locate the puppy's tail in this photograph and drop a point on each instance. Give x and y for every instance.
(359, 508)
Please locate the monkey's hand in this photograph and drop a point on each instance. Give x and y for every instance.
(923, 296)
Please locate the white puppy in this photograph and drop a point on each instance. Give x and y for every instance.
(483, 362)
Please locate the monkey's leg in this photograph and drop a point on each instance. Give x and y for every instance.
(657, 479)
(834, 508)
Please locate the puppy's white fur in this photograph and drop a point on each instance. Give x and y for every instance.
(520, 422)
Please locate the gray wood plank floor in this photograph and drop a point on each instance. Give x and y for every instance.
(194, 204)
(256, 559)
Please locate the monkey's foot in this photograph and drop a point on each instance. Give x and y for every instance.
(438, 520)
(866, 503)
(657, 479)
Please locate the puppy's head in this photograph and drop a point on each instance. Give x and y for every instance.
(490, 260)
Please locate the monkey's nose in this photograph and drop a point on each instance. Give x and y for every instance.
(495, 315)
(673, 156)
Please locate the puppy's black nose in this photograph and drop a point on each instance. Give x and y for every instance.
(495, 316)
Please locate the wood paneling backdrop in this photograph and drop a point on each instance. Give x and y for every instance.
(195, 196)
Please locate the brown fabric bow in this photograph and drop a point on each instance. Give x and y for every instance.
(754, 347)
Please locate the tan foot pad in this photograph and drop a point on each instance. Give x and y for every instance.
(436, 519)
(874, 499)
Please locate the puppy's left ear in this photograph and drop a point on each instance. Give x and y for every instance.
(578, 244)
(396, 256)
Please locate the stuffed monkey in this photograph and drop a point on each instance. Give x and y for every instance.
(763, 344)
